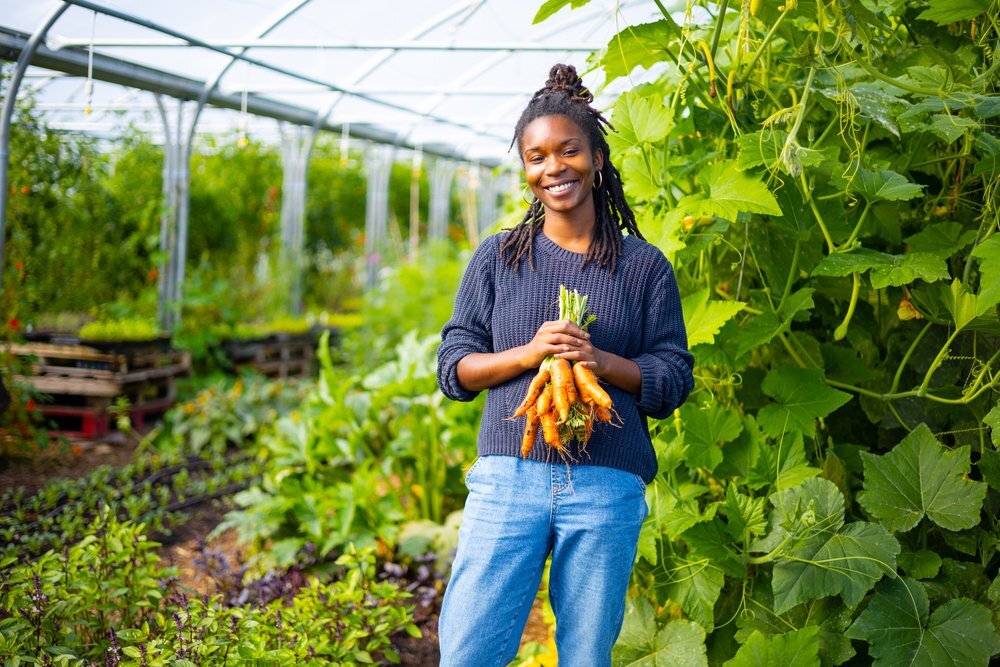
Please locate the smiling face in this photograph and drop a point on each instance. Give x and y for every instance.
(560, 166)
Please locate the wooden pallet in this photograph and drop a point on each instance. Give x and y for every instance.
(279, 356)
(88, 423)
(87, 362)
(81, 384)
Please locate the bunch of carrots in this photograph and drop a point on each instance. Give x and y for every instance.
(564, 398)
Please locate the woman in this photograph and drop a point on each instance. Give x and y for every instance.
(586, 514)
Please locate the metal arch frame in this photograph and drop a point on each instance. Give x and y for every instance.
(497, 58)
(504, 109)
(178, 253)
(331, 45)
(7, 114)
(194, 41)
(372, 225)
(375, 63)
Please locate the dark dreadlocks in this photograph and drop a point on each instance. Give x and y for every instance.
(565, 95)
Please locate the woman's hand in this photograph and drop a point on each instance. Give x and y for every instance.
(558, 338)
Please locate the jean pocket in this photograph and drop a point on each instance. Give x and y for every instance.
(472, 468)
(640, 482)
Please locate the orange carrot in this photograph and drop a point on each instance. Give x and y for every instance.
(603, 414)
(586, 381)
(530, 429)
(533, 390)
(544, 402)
(550, 431)
(562, 377)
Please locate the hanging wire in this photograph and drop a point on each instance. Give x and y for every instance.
(345, 143)
(243, 140)
(89, 89)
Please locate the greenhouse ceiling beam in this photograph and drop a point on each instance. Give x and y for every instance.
(463, 10)
(59, 42)
(31, 45)
(377, 90)
(102, 125)
(114, 70)
(194, 41)
(473, 73)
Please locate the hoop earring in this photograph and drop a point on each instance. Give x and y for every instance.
(527, 201)
(598, 181)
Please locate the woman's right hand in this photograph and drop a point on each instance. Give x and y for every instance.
(552, 338)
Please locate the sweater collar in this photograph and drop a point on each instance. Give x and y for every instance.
(556, 250)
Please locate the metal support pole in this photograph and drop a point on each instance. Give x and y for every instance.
(487, 199)
(296, 146)
(378, 165)
(440, 200)
(168, 217)
(7, 115)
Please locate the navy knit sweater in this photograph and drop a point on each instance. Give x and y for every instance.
(639, 317)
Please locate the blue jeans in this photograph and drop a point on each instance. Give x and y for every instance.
(517, 512)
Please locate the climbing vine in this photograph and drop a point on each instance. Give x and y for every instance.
(823, 176)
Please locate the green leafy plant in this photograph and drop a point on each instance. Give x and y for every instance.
(130, 329)
(823, 176)
(106, 598)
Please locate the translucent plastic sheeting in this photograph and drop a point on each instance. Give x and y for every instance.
(450, 73)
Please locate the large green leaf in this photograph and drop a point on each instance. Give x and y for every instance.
(798, 648)
(642, 45)
(552, 6)
(988, 165)
(705, 429)
(992, 419)
(880, 185)
(874, 101)
(847, 563)
(727, 191)
(695, 586)
(942, 240)
(830, 613)
(988, 253)
(896, 625)
(639, 119)
(703, 317)
(801, 397)
(919, 478)
(644, 177)
(817, 555)
(762, 328)
(962, 304)
(783, 464)
(886, 270)
(644, 643)
(944, 12)
(950, 127)
(765, 148)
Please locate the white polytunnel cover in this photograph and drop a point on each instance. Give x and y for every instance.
(448, 77)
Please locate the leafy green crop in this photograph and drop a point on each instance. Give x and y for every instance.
(825, 178)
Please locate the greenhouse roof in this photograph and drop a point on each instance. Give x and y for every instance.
(446, 76)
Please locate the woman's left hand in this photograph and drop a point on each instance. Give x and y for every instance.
(584, 353)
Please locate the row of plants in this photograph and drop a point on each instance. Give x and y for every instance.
(107, 599)
(824, 178)
(156, 492)
(205, 449)
(367, 457)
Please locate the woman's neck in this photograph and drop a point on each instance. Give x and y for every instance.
(569, 233)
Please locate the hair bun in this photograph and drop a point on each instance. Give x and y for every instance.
(564, 78)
